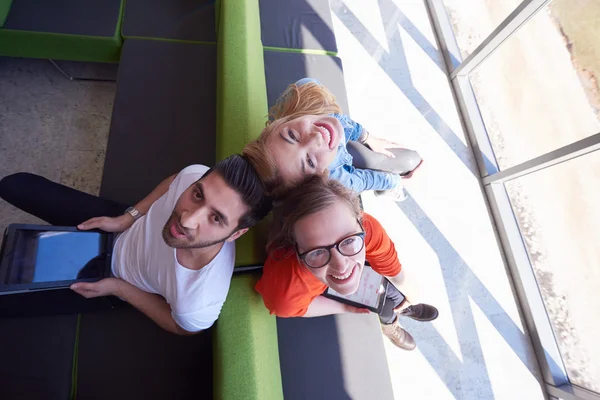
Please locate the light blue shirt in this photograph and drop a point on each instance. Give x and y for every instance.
(359, 180)
(341, 168)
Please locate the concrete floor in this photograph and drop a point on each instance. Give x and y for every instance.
(52, 126)
(478, 348)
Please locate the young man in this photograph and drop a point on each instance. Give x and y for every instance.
(175, 257)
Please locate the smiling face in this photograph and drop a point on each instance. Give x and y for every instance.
(304, 146)
(207, 213)
(325, 228)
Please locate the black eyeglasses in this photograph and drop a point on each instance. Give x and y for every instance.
(320, 257)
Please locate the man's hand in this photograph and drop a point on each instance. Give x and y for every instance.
(381, 145)
(105, 287)
(108, 224)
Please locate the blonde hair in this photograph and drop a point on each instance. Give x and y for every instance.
(315, 194)
(296, 101)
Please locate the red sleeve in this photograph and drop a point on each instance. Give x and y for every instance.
(284, 292)
(380, 250)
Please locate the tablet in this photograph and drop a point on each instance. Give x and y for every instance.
(370, 293)
(40, 257)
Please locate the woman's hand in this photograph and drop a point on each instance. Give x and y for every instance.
(381, 145)
(108, 224)
(104, 287)
(324, 306)
(356, 310)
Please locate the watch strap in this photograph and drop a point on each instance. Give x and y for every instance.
(134, 213)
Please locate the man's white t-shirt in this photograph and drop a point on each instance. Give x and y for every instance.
(142, 258)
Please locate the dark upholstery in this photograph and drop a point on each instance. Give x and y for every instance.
(283, 69)
(164, 116)
(297, 24)
(37, 357)
(333, 357)
(192, 20)
(74, 17)
(125, 355)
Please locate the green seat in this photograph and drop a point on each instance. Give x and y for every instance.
(245, 354)
(78, 30)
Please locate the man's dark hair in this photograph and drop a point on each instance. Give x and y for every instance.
(238, 173)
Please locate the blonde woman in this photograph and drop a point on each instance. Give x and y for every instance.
(308, 134)
(321, 239)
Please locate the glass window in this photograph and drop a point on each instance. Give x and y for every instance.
(540, 89)
(558, 213)
(473, 20)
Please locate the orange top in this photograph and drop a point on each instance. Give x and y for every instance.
(288, 287)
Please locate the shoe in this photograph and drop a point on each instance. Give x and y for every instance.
(397, 194)
(420, 312)
(398, 336)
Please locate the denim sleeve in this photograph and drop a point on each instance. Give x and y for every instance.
(360, 180)
(352, 128)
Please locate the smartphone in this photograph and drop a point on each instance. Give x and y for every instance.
(370, 293)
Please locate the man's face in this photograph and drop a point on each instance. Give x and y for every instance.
(207, 213)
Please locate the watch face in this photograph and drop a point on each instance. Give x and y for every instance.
(133, 212)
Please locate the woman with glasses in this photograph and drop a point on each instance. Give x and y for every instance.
(321, 239)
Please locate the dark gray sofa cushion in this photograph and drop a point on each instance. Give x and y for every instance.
(164, 116)
(192, 20)
(125, 355)
(37, 357)
(74, 17)
(283, 69)
(297, 24)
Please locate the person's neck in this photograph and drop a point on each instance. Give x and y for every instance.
(197, 259)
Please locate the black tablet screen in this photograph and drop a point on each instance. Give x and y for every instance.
(56, 256)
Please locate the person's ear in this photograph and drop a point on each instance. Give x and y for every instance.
(236, 235)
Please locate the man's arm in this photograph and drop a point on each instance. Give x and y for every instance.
(124, 222)
(153, 305)
(144, 205)
(323, 306)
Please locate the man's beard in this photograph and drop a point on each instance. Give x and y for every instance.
(186, 244)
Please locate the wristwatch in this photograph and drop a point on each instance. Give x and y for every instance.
(134, 213)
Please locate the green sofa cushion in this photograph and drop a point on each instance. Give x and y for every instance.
(4, 9)
(246, 356)
(241, 96)
(15, 43)
(74, 30)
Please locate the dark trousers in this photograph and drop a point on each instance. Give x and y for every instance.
(55, 203)
(393, 298)
(63, 206)
(364, 158)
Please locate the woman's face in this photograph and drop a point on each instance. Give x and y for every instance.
(325, 228)
(305, 146)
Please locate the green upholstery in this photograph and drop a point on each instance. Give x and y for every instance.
(241, 95)
(75, 46)
(14, 43)
(4, 9)
(246, 356)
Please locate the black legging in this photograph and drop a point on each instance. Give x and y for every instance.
(364, 158)
(55, 203)
(393, 298)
